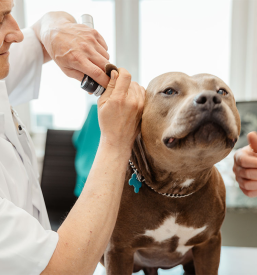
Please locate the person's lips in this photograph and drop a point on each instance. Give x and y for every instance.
(4, 53)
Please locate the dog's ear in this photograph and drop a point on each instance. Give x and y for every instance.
(142, 151)
(139, 153)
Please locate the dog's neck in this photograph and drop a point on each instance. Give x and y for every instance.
(180, 182)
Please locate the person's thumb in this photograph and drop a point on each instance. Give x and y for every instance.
(252, 139)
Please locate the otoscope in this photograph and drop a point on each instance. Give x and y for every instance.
(88, 84)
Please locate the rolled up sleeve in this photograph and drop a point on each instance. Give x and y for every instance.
(26, 60)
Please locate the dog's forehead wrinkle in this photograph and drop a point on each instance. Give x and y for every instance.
(165, 80)
(210, 82)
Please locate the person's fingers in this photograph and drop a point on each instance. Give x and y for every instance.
(250, 185)
(123, 83)
(142, 89)
(140, 96)
(73, 74)
(101, 50)
(110, 87)
(243, 159)
(98, 75)
(133, 90)
(95, 35)
(98, 60)
(252, 139)
(249, 193)
(132, 95)
(234, 168)
(246, 184)
(250, 174)
(90, 47)
(101, 40)
(93, 71)
(136, 96)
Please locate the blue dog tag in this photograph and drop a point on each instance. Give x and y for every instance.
(135, 182)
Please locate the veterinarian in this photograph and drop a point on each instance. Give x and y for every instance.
(27, 244)
(245, 166)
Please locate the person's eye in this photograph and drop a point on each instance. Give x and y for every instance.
(170, 91)
(222, 92)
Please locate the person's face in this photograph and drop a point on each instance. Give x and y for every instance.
(9, 33)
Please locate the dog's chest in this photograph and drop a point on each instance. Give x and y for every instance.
(170, 229)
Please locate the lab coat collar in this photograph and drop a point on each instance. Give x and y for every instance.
(9, 127)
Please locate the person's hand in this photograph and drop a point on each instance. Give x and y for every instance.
(120, 110)
(245, 166)
(76, 48)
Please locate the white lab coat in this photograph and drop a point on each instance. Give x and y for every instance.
(26, 240)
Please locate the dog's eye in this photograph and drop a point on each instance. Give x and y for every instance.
(170, 91)
(222, 92)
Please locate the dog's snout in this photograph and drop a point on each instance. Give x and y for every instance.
(208, 99)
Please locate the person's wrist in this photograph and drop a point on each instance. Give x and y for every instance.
(120, 150)
(55, 19)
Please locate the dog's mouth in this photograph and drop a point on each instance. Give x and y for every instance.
(204, 134)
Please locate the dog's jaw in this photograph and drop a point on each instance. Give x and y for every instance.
(221, 118)
(173, 180)
(205, 135)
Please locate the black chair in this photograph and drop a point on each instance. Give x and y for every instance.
(58, 175)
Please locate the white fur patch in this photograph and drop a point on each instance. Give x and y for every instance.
(186, 183)
(170, 229)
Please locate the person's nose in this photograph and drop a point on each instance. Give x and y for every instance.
(207, 100)
(14, 34)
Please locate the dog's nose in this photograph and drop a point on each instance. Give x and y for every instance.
(208, 99)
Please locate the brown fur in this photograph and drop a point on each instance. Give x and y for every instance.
(165, 169)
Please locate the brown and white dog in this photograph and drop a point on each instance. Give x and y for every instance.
(188, 125)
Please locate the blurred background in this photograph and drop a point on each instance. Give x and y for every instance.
(148, 38)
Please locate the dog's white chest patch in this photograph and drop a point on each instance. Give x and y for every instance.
(187, 183)
(170, 229)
